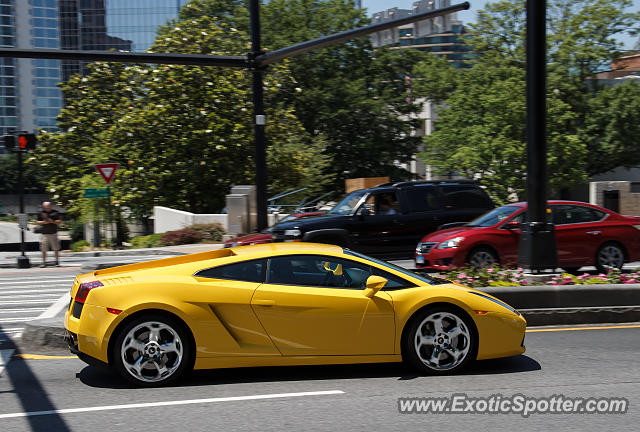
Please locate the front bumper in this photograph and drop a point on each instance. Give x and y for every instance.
(440, 259)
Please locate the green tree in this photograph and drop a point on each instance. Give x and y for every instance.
(481, 129)
(182, 134)
(33, 178)
(350, 94)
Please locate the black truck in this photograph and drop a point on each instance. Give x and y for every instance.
(390, 219)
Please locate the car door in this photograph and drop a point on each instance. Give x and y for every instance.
(232, 328)
(380, 230)
(578, 233)
(314, 305)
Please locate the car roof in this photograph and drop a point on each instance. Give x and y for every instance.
(292, 247)
(555, 202)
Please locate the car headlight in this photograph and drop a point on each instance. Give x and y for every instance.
(292, 233)
(451, 243)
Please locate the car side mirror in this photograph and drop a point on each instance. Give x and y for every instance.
(374, 284)
(512, 225)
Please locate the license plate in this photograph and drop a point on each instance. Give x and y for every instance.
(419, 259)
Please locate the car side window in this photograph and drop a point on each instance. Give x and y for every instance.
(382, 204)
(246, 271)
(421, 198)
(464, 196)
(569, 214)
(393, 282)
(321, 271)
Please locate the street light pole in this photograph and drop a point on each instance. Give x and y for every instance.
(259, 119)
(23, 260)
(537, 238)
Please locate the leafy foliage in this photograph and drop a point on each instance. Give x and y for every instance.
(209, 232)
(180, 237)
(591, 129)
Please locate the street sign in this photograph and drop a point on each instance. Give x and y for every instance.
(107, 171)
(22, 220)
(96, 193)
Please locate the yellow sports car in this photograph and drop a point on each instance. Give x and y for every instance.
(280, 304)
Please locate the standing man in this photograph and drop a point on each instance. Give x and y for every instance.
(49, 219)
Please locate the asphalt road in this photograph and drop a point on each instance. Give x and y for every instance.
(576, 363)
(27, 294)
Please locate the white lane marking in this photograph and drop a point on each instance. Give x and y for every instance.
(5, 356)
(2, 329)
(9, 302)
(48, 292)
(56, 308)
(23, 310)
(16, 320)
(170, 403)
(24, 282)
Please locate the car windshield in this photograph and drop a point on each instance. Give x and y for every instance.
(348, 204)
(493, 217)
(420, 276)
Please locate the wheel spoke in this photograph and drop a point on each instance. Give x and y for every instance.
(170, 347)
(134, 344)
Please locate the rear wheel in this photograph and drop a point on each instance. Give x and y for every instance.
(482, 257)
(609, 256)
(152, 350)
(440, 340)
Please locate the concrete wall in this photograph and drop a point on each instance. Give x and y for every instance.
(629, 201)
(168, 219)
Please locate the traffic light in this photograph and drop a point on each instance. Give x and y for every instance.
(23, 141)
(27, 141)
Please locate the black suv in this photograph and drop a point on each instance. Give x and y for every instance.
(390, 219)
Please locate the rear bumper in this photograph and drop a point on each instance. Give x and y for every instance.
(89, 334)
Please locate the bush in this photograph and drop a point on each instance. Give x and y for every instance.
(80, 246)
(147, 241)
(181, 236)
(209, 232)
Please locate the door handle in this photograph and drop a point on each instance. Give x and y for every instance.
(594, 233)
(264, 302)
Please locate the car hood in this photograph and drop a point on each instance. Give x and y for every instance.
(442, 235)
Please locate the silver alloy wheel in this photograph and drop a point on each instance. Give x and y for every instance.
(611, 256)
(152, 351)
(442, 341)
(482, 258)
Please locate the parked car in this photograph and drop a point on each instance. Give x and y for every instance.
(586, 235)
(390, 219)
(264, 236)
(280, 305)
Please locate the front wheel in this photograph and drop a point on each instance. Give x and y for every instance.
(482, 257)
(441, 340)
(152, 350)
(609, 256)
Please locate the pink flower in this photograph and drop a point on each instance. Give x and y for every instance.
(491, 280)
(490, 270)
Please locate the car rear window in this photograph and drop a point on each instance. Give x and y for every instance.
(465, 196)
(247, 271)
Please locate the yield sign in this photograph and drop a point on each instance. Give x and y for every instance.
(107, 171)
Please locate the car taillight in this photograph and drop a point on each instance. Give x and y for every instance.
(83, 290)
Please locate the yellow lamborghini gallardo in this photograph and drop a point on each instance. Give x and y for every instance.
(280, 304)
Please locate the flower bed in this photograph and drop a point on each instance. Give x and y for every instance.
(496, 276)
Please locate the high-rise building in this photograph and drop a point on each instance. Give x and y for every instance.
(441, 36)
(30, 98)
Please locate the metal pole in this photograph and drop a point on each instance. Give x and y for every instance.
(23, 260)
(537, 239)
(259, 117)
(110, 231)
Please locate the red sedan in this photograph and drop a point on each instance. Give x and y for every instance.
(265, 235)
(586, 235)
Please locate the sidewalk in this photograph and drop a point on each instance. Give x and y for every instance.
(8, 259)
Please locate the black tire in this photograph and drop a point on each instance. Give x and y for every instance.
(420, 356)
(482, 257)
(176, 359)
(572, 270)
(610, 255)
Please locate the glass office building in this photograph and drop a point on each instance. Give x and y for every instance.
(30, 98)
